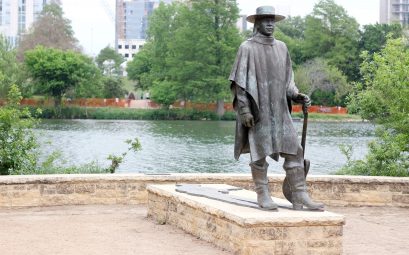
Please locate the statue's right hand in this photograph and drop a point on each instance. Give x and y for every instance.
(247, 120)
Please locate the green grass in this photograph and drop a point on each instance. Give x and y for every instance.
(329, 117)
(130, 114)
(163, 114)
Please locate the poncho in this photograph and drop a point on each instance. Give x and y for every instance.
(263, 69)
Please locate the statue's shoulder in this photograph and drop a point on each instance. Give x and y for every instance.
(281, 44)
(247, 44)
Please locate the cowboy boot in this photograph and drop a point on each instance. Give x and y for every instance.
(261, 187)
(299, 194)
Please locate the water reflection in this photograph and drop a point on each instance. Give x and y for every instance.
(189, 146)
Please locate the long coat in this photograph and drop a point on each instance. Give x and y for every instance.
(263, 69)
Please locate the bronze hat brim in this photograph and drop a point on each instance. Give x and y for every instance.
(252, 18)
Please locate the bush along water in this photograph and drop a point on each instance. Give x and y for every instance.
(17, 140)
(383, 98)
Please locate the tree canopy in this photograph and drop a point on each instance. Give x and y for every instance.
(192, 62)
(325, 84)
(56, 72)
(374, 37)
(50, 30)
(332, 34)
(109, 61)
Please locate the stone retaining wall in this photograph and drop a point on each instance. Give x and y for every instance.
(51, 190)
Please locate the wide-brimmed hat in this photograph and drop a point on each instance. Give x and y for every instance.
(265, 11)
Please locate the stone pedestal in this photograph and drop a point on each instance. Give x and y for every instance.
(245, 230)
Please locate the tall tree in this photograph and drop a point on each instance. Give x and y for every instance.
(50, 30)
(332, 34)
(291, 31)
(202, 55)
(56, 72)
(192, 49)
(384, 99)
(140, 68)
(374, 37)
(109, 61)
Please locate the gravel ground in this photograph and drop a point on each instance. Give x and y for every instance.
(126, 230)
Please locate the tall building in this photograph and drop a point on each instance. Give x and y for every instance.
(131, 24)
(241, 23)
(16, 17)
(394, 11)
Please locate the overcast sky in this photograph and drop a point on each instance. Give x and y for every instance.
(93, 20)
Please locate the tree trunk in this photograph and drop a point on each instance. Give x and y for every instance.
(220, 107)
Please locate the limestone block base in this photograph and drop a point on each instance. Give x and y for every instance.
(245, 230)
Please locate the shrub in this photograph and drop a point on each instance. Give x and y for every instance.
(17, 140)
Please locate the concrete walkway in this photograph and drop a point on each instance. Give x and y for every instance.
(126, 230)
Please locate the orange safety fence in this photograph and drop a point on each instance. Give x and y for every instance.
(201, 106)
(83, 102)
(322, 109)
(148, 104)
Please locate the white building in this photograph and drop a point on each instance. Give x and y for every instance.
(394, 11)
(132, 21)
(16, 17)
(129, 47)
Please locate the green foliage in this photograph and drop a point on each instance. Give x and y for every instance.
(163, 93)
(135, 146)
(10, 69)
(332, 34)
(113, 87)
(17, 140)
(384, 99)
(88, 168)
(325, 84)
(131, 114)
(140, 68)
(189, 61)
(291, 31)
(50, 30)
(374, 37)
(329, 117)
(385, 158)
(56, 72)
(109, 61)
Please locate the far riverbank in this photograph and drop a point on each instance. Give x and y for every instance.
(107, 113)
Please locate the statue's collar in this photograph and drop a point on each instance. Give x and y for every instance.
(266, 40)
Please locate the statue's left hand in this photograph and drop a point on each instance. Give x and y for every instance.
(302, 99)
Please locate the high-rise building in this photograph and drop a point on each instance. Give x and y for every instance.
(16, 17)
(394, 11)
(241, 23)
(131, 24)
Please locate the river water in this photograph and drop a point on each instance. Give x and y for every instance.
(190, 146)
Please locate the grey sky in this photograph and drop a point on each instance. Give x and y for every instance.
(93, 20)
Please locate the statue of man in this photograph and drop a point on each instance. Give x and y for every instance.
(263, 86)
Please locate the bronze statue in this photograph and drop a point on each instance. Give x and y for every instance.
(263, 86)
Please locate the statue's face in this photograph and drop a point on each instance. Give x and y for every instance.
(266, 26)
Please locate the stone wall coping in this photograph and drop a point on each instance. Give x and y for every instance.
(189, 177)
(249, 217)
